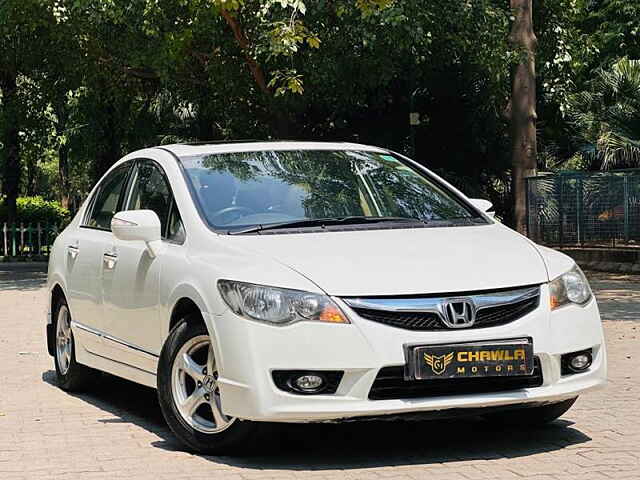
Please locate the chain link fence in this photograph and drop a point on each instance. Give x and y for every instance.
(585, 208)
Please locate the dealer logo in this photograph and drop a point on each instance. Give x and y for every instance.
(438, 363)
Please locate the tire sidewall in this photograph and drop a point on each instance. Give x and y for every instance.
(67, 380)
(223, 441)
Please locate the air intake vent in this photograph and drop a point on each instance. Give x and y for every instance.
(408, 320)
(390, 384)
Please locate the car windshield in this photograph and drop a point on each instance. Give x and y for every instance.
(247, 189)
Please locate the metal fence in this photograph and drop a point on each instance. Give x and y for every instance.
(27, 240)
(585, 208)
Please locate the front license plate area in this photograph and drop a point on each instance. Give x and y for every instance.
(491, 359)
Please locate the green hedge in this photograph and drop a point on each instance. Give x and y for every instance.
(36, 209)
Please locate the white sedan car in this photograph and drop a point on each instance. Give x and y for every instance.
(311, 282)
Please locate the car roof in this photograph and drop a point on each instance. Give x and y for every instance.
(204, 148)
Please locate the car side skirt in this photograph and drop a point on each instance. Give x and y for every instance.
(98, 350)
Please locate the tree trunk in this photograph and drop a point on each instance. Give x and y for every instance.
(31, 180)
(280, 123)
(105, 158)
(63, 173)
(110, 150)
(64, 180)
(243, 43)
(522, 109)
(11, 140)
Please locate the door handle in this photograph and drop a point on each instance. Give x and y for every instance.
(73, 250)
(109, 259)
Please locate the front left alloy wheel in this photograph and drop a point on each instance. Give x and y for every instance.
(189, 394)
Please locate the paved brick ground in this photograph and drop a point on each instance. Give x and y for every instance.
(117, 431)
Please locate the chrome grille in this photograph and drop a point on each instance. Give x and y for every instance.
(426, 313)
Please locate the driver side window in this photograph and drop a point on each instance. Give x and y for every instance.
(107, 199)
(151, 191)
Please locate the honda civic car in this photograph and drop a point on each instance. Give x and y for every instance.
(263, 282)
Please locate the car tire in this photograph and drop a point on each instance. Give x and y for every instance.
(184, 383)
(70, 375)
(531, 416)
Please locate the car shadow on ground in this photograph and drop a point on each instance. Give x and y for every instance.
(346, 445)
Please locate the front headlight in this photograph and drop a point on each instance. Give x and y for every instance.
(571, 287)
(278, 306)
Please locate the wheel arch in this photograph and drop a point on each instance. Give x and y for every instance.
(186, 299)
(183, 300)
(55, 294)
(183, 307)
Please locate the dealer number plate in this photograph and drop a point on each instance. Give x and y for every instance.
(497, 359)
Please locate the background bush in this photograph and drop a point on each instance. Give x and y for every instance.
(36, 209)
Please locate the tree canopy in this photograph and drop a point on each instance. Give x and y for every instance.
(83, 82)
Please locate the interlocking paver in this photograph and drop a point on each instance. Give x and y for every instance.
(117, 431)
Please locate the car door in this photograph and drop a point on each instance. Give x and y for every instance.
(85, 246)
(132, 276)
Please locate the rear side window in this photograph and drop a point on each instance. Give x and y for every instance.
(107, 199)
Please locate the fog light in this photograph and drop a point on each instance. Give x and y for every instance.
(580, 362)
(309, 383)
(576, 362)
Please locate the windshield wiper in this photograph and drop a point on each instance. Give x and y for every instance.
(322, 222)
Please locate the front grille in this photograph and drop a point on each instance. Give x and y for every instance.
(391, 385)
(490, 316)
(406, 320)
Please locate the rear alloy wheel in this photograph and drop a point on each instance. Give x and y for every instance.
(64, 340)
(70, 375)
(189, 393)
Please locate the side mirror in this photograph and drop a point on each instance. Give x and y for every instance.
(483, 205)
(138, 225)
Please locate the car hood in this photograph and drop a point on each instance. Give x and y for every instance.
(405, 261)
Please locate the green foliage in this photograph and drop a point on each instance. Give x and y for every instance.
(369, 7)
(97, 79)
(577, 37)
(607, 116)
(36, 209)
(342, 69)
(610, 30)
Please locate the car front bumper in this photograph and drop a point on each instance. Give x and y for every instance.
(249, 351)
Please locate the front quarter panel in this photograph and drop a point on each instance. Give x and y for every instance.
(557, 263)
(195, 277)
